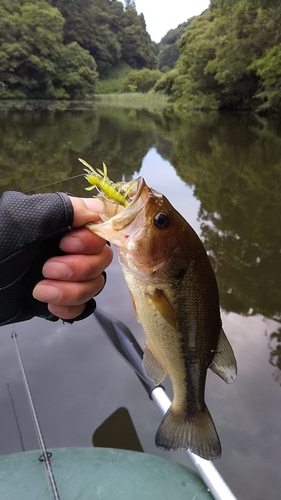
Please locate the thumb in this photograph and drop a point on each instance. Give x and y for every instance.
(85, 210)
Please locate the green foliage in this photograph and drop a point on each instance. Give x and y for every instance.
(142, 80)
(34, 62)
(268, 68)
(108, 31)
(192, 87)
(168, 48)
(168, 57)
(136, 47)
(115, 79)
(56, 48)
(77, 73)
(166, 82)
(230, 58)
(87, 22)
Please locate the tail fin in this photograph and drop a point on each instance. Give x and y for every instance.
(199, 434)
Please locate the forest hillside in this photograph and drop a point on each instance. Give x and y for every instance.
(230, 58)
(60, 48)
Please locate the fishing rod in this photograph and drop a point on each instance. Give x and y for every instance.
(124, 341)
(45, 454)
(16, 417)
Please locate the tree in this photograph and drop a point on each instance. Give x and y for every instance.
(130, 3)
(77, 76)
(34, 62)
(230, 58)
(31, 36)
(239, 41)
(169, 47)
(137, 49)
(142, 80)
(110, 33)
(268, 68)
(192, 87)
(87, 22)
(165, 84)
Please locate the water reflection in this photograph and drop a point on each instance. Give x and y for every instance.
(274, 345)
(224, 175)
(232, 162)
(40, 147)
(237, 177)
(229, 165)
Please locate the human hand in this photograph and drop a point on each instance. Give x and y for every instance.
(73, 279)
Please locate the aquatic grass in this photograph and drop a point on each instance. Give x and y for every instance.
(133, 100)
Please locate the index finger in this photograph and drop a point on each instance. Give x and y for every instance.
(85, 210)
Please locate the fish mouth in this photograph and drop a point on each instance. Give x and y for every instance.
(121, 217)
(119, 222)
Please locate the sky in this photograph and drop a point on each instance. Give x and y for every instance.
(161, 15)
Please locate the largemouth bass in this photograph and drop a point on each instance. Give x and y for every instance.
(175, 295)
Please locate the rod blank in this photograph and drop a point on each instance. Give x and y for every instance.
(46, 455)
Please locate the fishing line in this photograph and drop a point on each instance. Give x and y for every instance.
(53, 183)
(45, 455)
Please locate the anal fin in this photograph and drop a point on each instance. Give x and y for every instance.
(224, 362)
(151, 366)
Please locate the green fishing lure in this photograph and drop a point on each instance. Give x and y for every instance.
(100, 181)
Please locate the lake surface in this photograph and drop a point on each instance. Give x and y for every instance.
(223, 173)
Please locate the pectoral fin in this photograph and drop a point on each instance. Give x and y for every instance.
(224, 362)
(151, 366)
(164, 307)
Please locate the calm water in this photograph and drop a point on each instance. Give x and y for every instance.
(224, 175)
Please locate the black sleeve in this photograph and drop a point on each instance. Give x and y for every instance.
(30, 229)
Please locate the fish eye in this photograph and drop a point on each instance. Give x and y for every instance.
(161, 220)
